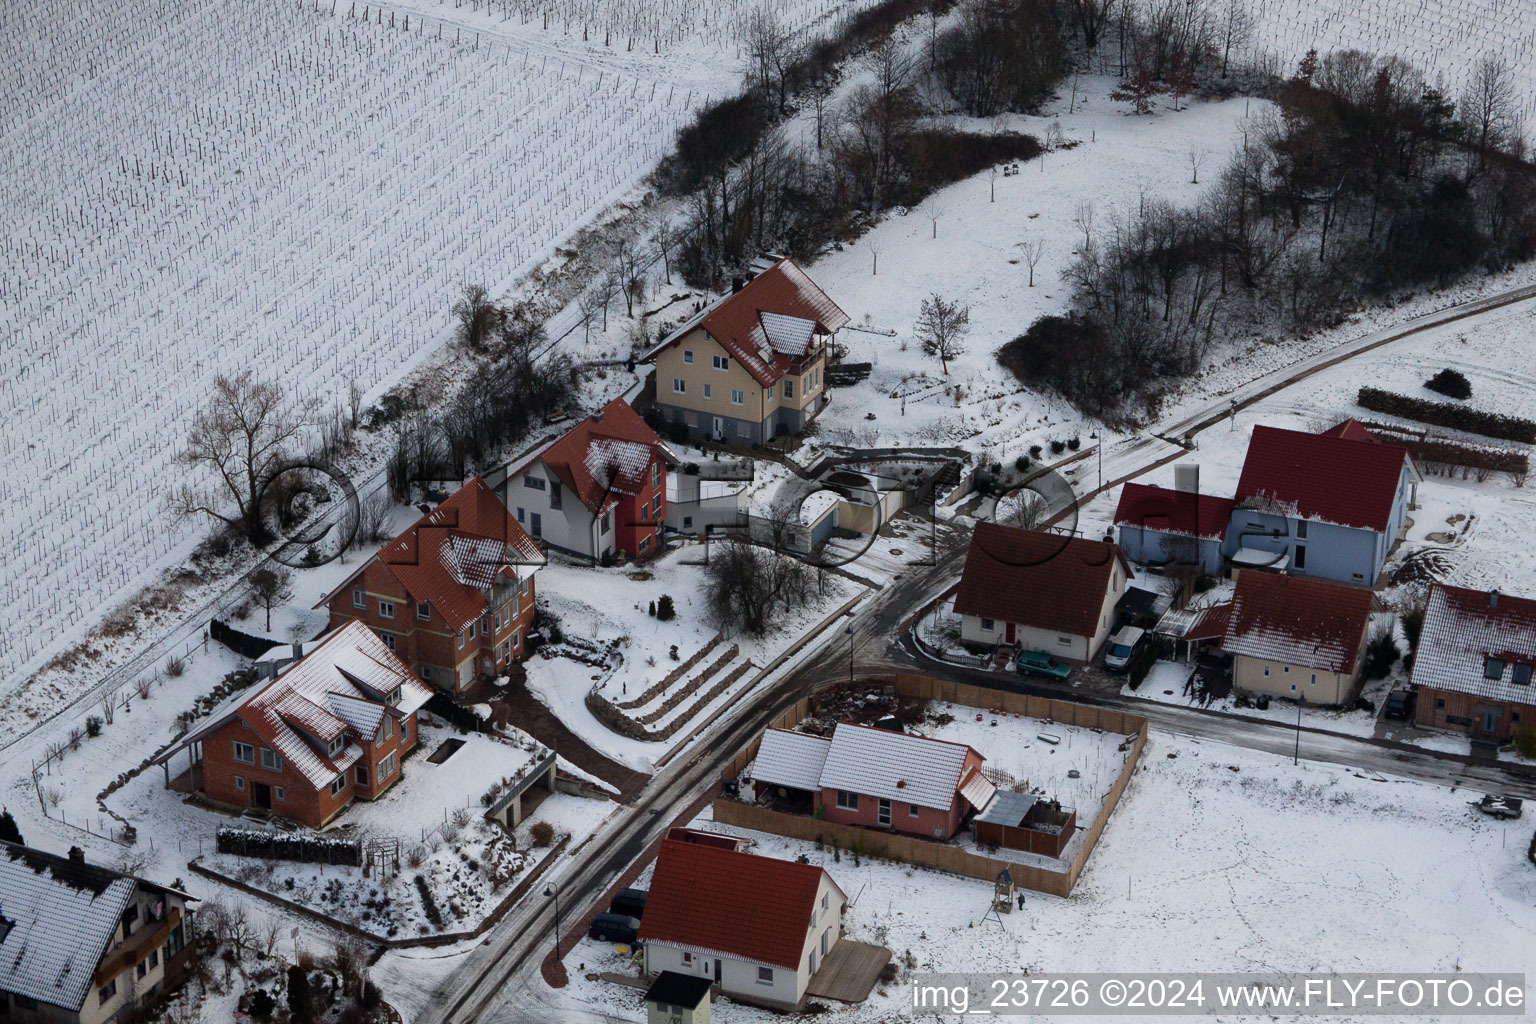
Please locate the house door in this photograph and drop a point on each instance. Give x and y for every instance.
(812, 964)
(883, 815)
(1488, 719)
(261, 795)
(1010, 633)
(719, 428)
(717, 970)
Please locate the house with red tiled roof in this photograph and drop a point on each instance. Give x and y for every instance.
(599, 491)
(750, 366)
(758, 927)
(1328, 505)
(1040, 591)
(453, 594)
(331, 728)
(1295, 637)
(1161, 527)
(1474, 662)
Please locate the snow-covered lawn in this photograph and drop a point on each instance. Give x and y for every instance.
(1217, 859)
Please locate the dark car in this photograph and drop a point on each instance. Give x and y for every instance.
(630, 902)
(1399, 705)
(1038, 663)
(614, 928)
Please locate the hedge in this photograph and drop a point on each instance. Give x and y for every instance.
(285, 846)
(1456, 417)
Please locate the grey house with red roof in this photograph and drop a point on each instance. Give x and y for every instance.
(1328, 505)
(1475, 661)
(1167, 528)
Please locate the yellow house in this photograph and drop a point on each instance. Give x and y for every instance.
(751, 366)
(1297, 637)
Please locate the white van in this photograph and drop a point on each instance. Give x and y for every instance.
(1123, 648)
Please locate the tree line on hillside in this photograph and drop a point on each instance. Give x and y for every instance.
(1364, 181)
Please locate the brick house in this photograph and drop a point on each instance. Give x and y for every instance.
(84, 944)
(878, 779)
(452, 595)
(752, 365)
(1040, 591)
(333, 727)
(757, 927)
(599, 491)
(1474, 662)
(1295, 637)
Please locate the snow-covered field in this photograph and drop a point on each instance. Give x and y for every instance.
(1218, 859)
(190, 188)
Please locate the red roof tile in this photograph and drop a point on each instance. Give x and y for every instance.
(1351, 430)
(1044, 580)
(1180, 512)
(453, 554)
(1331, 479)
(748, 907)
(605, 456)
(769, 323)
(1298, 620)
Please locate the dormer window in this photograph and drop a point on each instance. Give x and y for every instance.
(1522, 674)
(336, 745)
(1493, 668)
(393, 699)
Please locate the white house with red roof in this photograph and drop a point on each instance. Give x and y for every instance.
(1299, 638)
(877, 778)
(758, 927)
(1474, 662)
(599, 491)
(750, 366)
(1328, 505)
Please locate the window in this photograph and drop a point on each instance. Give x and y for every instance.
(789, 388)
(655, 474)
(240, 782)
(645, 513)
(245, 753)
(389, 727)
(1301, 556)
(912, 811)
(1313, 680)
(339, 785)
(606, 523)
(720, 362)
(679, 386)
(1266, 670)
(765, 975)
(847, 801)
(1065, 641)
(143, 968)
(389, 640)
(359, 599)
(361, 771)
(522, 515)
(708, 392)
(270, 760)
(1522, 674)
(109, 990)
(1493, 668)
(1440, 704)
(154, 954)
(556, 499)
(425, 671)
(460, 639)
(336, 744)
(471, 631)
(386, 767)
(1358, 577)
(742, 430)
(738, 397)
(535, 483)
(687, 522)
(645, 544)
(386, 609)
(1301, 529)
(688, 356)
(517, 639)
(687, 958)
(988, 625)
(1286, 669)
(280, 793)
(537, 526)
(424, 610)
(655, 505)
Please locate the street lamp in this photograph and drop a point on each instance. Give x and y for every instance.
(1296, 757)
(551, 892)
(1099, 448)
(849, 633)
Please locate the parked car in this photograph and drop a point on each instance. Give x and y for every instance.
(1123, 647)
(1038, 663)
(630, 902)
(1399, 705)
(1500, 806)
(614, 928)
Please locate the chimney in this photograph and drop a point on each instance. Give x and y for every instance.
(298, 650)
(1186, 478)
(76, 855)
(737, 284)
(597, 417)
(1493, 599)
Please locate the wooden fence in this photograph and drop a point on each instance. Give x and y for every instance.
(943, 856)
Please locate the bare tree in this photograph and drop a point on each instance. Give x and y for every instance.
(935, 212)
(354, 401)
(771, 55)
(477, 317)
(243, 435)
(874, 251)
(1197, 157)
(1024, 508)
(941, 328)
(270, 587)
(1084, 220)
(371, 516)
(665, 242)
(1033, 250)
(1488, 106)
(602, 294)
(744, 582)
(1090, 17)
(629, 271)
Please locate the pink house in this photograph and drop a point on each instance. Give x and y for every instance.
(878, 779)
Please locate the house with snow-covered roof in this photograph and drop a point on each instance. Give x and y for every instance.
(1165, 527)
(599, 491)
(1290, 636)
(750, 366)
(331, 728)
(453, 594)
(1328, 505)
(1474, 662)
(757, 927)
(876, 778)
(84, 943)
